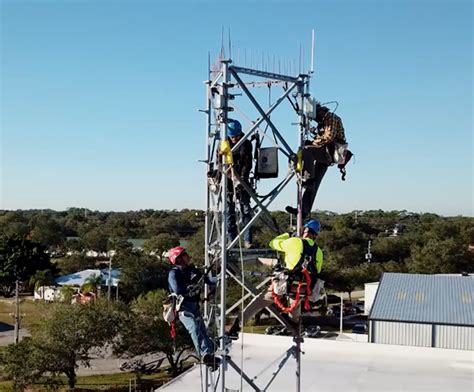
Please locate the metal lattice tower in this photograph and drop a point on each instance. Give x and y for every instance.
(225, 79)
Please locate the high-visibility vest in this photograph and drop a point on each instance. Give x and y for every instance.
(294, 249)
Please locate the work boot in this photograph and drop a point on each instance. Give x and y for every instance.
(294, 211)
(232, 331)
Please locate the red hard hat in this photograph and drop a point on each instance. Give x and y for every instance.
(174, 253)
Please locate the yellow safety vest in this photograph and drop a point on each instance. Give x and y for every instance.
(293, 248)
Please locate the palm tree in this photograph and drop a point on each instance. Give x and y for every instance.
(92, 284)
(40, 279)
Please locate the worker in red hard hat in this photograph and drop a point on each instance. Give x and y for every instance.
(183, 280)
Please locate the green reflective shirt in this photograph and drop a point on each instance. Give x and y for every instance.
(292, 247)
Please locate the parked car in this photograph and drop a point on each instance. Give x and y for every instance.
(359, 306)
(353, 319)
(336, 310)
(333, 299)
(278, 330)
(360, 328)
(313, 331)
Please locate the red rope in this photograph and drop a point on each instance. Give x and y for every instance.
(307, 306)
(289, 309)
(173, 327)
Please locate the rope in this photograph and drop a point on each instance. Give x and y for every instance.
(173, 330)
(242, 292)
(289, 309)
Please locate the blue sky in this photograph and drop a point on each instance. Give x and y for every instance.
(99, 99)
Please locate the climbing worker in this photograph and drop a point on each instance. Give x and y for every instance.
(183, 281)
(319, 154)
(242, 164)
(302, 256)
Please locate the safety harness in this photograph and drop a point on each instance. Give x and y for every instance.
(172, 304)
(299, 275)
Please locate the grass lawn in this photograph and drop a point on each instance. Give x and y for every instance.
(29, 310)
(106, 382)
(255, 328)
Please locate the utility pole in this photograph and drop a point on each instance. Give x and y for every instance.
(17, 312)
(368, 255)
(340, 314)
(109, 281)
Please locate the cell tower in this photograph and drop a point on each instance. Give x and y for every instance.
(229, 83)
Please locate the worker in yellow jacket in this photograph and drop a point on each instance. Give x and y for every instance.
(299, 253)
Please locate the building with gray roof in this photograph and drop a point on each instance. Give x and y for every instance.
(424, 310)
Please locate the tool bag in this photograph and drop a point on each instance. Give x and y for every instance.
(171, 307)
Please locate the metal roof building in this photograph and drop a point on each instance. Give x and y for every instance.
(424, 310)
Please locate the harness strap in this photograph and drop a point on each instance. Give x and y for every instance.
(173, 330)
(289, 309)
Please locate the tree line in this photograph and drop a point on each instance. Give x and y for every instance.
(400, 241)
(34, 247)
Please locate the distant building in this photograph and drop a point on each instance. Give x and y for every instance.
(78, 279)
(424, 310)
(370, 289)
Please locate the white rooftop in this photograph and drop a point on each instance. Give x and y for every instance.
(80, 277)
(343, 366)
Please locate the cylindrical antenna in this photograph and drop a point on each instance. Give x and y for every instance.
(230, 45)
(222, 42)
(304, 58)
(301, 53)
(312, 51)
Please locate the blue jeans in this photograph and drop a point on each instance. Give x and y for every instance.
(246, 214)
(190, 316)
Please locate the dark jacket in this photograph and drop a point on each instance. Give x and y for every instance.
(180, 280)
(242, 162)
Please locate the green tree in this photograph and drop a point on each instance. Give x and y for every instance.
(391, 248)
(143, 331)
(20, 258)
(96, 239)
(18, 363)
(70, 264)
(14, 223)
(74, 245)
(42, 278)
(140, 273)
(440, 256)
(66, 334)
(66, 294)
(46, 231)
(92, 284)
(195, 247)
(160, 244)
